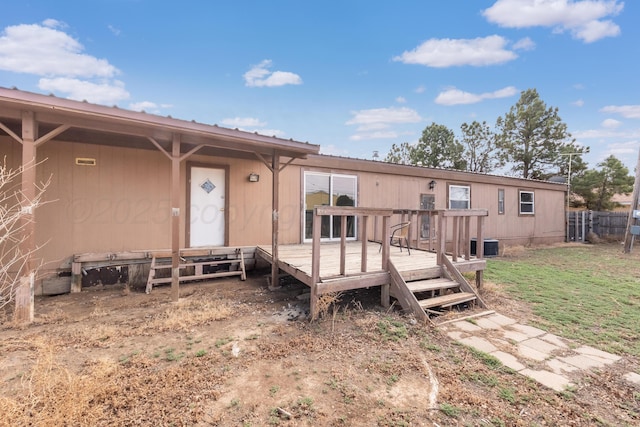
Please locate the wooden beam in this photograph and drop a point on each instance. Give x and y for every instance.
(10, 132)
(49, 136)
(175, 218)
(24, 308)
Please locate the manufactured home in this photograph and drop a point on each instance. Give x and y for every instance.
(141, 189)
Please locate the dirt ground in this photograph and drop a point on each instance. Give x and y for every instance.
(233, 353)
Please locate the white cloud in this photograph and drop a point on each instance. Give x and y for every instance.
(333, 150)
(269, 132)
(584, 19)
(440, 53)
(627, 111)
(377, 123)
(622, 149)
(401, 100)
(524, 44)
(578, 103)
(143, 106)
(611, 123)
(243, 122)
(45, 51)
(110, 92)
(384, 115)
(455, 96)
(420, 89)
(114, 30)
(260, 76)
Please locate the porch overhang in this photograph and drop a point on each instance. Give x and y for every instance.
(113, 126)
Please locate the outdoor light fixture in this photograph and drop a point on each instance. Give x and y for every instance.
(432, 185)
(254, 177)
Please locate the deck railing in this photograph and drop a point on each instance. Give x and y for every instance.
(438, 240)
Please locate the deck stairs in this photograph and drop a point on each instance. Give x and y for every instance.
(430, 292)
(197, 267)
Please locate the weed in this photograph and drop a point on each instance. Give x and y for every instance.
(392, 330)
(201, 353)
(568, 393)
(426, 345)
(489, 360)
(273, 390)
(392, 380)
(488, 380)
(450, 410)
(472, 321)
(234, 403)
(170, 356)
(495, 421)
(222, 341)
(507, 394)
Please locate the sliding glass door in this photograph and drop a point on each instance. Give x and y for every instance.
(326, 189)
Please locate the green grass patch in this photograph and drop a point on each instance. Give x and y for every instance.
(392, 330)
(590, 293)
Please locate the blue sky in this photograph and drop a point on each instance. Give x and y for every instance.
(352, 76)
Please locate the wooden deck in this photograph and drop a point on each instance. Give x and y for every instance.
(296, 261)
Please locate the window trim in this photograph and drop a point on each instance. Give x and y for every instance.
(467, 186)
(532, 203)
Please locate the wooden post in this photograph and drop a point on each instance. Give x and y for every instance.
(315, 263)
(480, 251)
(76, 277)
(24, 308)
(343, 244)
(442, 237)
(275, 206)
(634, 205)
(386, 250)
(365, 240)
(175, 218)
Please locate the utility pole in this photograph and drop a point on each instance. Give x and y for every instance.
(628, 237)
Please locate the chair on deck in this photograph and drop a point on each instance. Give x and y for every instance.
(399, 232)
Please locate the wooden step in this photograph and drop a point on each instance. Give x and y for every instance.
(421, 274)
(447, 300)
(431, 285)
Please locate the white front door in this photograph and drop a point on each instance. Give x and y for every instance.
(207, 218)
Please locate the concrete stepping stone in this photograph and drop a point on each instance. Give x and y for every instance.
(550, 379)
(514, 335)
(540, 345)
(487, 323)
(508, 360)
(560, 367)
(555, 340)
(598, 354)
(529, 331)
(480, 344)
(466, 326)
(531, 353)
(501, 319)
(632, 377)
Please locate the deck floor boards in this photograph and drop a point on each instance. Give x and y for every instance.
(299, 257)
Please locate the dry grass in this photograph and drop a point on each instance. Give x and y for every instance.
(51, 395)
(189, 312)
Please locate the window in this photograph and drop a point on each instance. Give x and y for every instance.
(427, 202)
(459, 197)
(500, 201)
(325, 189)
(526, 203)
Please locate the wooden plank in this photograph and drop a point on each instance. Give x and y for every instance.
(447, 300)
(458, 277)
(431, 285)
(56, 285)
(463, 212)
(353, 282)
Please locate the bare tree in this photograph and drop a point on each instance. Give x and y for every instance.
(16, 213)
